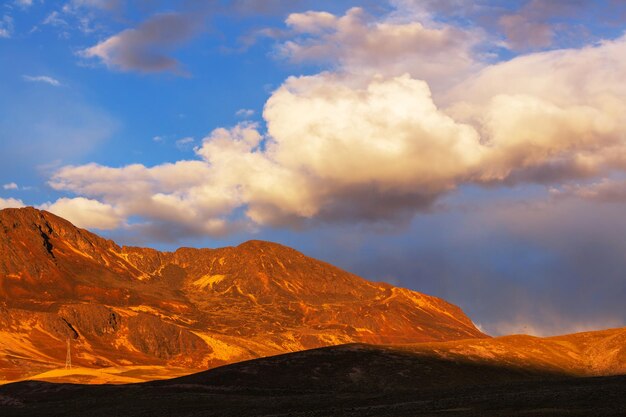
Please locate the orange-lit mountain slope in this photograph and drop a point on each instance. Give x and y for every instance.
(189, 309)
(595, 353)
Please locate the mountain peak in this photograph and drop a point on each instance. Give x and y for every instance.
(29, 218)
(31, 215)
(255, 245)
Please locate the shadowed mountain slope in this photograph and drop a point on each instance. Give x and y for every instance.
(430, 365)
(186, 310)
(354, 380)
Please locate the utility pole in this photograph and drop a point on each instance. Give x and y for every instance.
(68, 357)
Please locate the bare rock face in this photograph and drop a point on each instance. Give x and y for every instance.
(195, 308)
(55, 325)
(163, 340)
(91, 319)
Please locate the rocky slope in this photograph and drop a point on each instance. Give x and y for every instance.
(189, 309)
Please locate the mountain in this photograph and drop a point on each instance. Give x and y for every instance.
(507, 376)
(161, 314)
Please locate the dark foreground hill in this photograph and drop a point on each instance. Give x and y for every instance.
(348, 380)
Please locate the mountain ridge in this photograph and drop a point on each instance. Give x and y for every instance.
(190, 308)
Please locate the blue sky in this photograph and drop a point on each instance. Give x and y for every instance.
(470, 150)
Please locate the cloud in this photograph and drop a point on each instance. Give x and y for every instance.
(185, 144)
(334, 153)
(438, 53)
(146, 48)
(522, 32)
(607, 190)
(536, 23)
(24, 3)
(245, 113)
(42, 79)
(10, 203)
(85, 213)
(527, 24)
(83, 15)
(263, 7)
(355, 145)
(184, 197)
(94, 4)
(55, 19)
(561, 118)
(6, 26)
(10, 186)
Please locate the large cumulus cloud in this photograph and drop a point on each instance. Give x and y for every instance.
(376, 150)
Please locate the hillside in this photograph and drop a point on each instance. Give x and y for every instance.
(509, 376)
(188, 310)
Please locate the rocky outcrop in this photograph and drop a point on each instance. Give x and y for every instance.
(163, 340)
(91, 319)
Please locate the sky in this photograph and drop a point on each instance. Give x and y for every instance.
(471, 150)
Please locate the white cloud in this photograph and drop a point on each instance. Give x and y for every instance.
(55, 19)
(24, 3)
(438, 53)
(245, 113)
(184, 196)
(562, 118)
(86, 213)
(605, 190)
(524, 25)
(354, 145)
(335, 153)
(10, 186)
(185, 143)
(42, 79)
(10, 203)
(6, 26)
